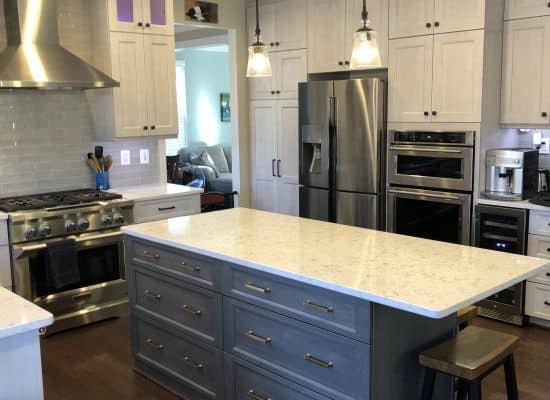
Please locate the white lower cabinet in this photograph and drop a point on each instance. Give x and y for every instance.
(163, 208)
(537, 297)
(537, 301)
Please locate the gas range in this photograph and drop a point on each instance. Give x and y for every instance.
(48, 215)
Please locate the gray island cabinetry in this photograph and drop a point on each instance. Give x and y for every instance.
(213, 316)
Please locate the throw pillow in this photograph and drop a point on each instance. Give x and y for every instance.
(204, 159)
(217, 154)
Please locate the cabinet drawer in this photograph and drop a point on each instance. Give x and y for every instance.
(202, 271)
(190, 362)
(539, 246)
(539, 223)
(333, 311)
(196, 311)
(152, 210)
(245, 381)
(325, 362)
(537, 300)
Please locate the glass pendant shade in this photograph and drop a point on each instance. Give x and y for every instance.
(258, 61)
(365, 53)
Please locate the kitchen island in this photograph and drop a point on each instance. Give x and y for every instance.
(296, 308)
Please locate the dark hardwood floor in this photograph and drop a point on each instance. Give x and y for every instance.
(94, 362)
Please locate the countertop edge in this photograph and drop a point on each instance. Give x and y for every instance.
(166, 196)
(27, 326)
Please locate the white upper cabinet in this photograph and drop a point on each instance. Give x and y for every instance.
(410, 79)
(525, 81)
(140, 16)
(283, 24)
(458, 15)
(411, 18)
(457, 77)
(526, 8)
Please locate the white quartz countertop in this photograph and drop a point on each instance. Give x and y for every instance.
(3, 216)
(18, 315)
(155, 191)
(421, 276)
(523, 204)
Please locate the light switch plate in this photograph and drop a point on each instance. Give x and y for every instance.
(124, 157)
(544, 146)
(144, 156)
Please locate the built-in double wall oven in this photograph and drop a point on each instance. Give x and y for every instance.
(430, 177)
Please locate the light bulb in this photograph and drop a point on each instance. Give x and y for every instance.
(258, 61)
(365, 52)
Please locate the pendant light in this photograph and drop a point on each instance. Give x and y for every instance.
(258, 57)
(365, 53)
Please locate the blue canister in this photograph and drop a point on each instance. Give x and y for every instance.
(102, 181)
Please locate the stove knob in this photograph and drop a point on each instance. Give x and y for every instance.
(106, 220)
(118, 218)
(44, 230)
(83, 223)
(31, 232)
(70, 226)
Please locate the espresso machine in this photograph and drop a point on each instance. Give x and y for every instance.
(511, 174)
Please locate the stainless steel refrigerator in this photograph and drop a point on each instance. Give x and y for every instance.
(342, 150)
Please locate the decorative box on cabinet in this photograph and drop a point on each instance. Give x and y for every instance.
(537, 297)
(516, 9)
(144, 64)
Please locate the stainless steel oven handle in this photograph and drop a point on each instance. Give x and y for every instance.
(436, 196)
(425, 150)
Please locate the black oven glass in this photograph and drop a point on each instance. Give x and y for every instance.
(95, 265)
(428, 219)
(500, 232)
(437, 167)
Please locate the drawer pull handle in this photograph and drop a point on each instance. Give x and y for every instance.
(310, 304)
(150, 254)
(316, 361)
(191, 310)
(158, 347)
(81, 296)
(253, 395)
(258, 338)
(191, 363)
(167, 208)
(547, 303)
(190, 268)
(256, 288)
(152, 295)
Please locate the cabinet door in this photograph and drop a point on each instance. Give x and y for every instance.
(289, 199)
(287, 143)
(410, 79)
(160, 81)
(526, 8)
(290, 69)
(378, 17)
(525, 86)
(130, 99)
(125, 15)
(291, 25)
(158, 17)
(263, 117)
(457, 77)
(458, 15)
(263, 88)
(267, 24)
(411, 18)
(326, 35)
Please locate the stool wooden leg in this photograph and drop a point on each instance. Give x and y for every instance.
(428, 386)
(461, 389)
(510, 375)
(474, 390)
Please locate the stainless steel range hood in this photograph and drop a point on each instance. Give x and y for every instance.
(34, 59)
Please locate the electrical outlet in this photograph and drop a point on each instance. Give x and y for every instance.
(144, 156)
(124, 157)
(544, 146)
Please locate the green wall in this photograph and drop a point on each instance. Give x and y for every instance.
(206, 76)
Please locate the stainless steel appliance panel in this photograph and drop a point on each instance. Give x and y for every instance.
(315, 203)
(315, 119)
(359, 121)
(357, 209)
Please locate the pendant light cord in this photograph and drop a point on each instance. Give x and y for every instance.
(258, 23)
(364, 13)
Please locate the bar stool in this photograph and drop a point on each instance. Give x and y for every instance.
(470, 356)
(465, 316)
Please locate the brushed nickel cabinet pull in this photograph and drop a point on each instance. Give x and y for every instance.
(256, 288)
(253, 395)
(257, 338)
(152, 295)
(191, 310)
(310, 304)
(316, 361)
(190, 268)
(150, 254)
(191, 363)
(158, 347)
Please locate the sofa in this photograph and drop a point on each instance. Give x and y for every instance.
(214, 168)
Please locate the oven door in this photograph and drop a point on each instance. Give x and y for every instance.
(435, 167)
(429, 214)
(101, 269)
